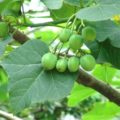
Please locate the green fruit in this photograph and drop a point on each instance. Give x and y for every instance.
(73, 64)
(10, 19)
(65, 35)
(75, 42)
(4, 29)
(61, 65)
(89, 33)
(49, 61)
(87, 62)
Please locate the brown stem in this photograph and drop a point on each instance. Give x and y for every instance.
(89, 81)
(19, 36)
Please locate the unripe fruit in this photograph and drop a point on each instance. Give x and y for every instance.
(10, 19)
(73, 64)
(61, 65)
(75, 42)
(4, 29)
(65, 35)
(89, 33)
(49, 61)
(87, 62)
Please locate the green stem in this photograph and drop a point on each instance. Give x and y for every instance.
(82, 23)
(52, 23)
(39, 16)
(78, 29)
(23, 12)
(60, 48)
(69, 20)
(53, 39)
(55, 49)
(106, 77)
(73, 24)
(66, 53)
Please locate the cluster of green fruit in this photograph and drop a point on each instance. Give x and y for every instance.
(4, 29)
(75, 40)
(51, 61)
(87, 62)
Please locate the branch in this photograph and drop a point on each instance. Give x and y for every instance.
(22, 38)
(89, 81)
(52, 23)
(8, 116)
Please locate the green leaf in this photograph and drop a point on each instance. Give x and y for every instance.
(64, 12)
(3, 3)
(10, 7)
(116, 79)
(46, 35)
(3, 85)
(29, 83)
(3, 44)
(107, 1)
(115, 38)
(54, 4)
(105, 73)
(102, 111)
(76, 2)
(78, 94)
(99, 12)
(73, 2)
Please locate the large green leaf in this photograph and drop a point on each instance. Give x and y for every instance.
(76, 2)
(107, 1)
(64, 12)
(78, 94)
(102, 111)
(73, 2)
(53, 4)
(99, 12)
(29, 83)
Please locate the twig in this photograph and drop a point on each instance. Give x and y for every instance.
(23, 12)
(51, 23)
(60, 48)
(54, 39)
(55, 49)
(8, 116)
